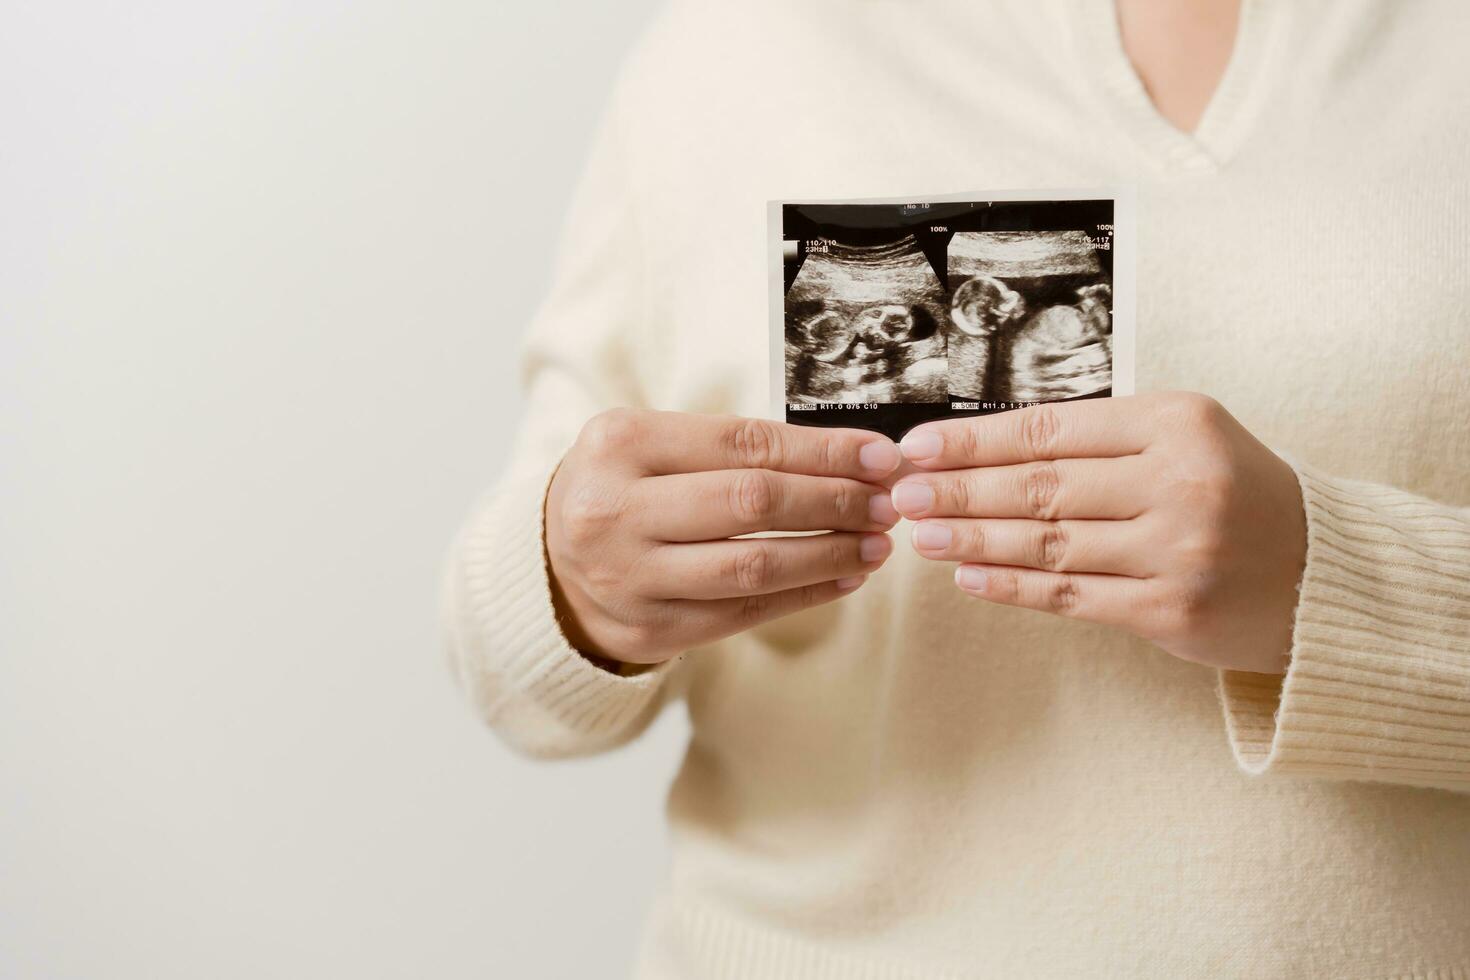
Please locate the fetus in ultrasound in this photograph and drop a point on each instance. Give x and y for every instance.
(827, 337)
(863, 324)
(982, 309)
(1065, 351)
(1030, 318)
(982, 306)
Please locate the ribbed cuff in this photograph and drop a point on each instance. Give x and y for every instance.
(1378, 687)
(528, 661)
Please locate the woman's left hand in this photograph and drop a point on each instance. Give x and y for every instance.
(1156, 513)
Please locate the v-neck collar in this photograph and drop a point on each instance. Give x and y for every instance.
(1232, 105)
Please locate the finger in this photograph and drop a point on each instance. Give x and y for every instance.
(1112, 600)
(1094, 489)
(727, 569)
(1099, 427)
(703, 621)
(719, 504)
(1110, 547)
(678, 442)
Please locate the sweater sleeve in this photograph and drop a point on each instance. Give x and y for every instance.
(505, 646)
(1378, 686)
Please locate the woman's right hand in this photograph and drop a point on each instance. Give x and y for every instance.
(640, 514)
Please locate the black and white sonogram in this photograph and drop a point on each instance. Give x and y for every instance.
(865, 323)
(887, 314)
(1030, 317)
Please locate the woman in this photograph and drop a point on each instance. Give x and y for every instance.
(1133, 695)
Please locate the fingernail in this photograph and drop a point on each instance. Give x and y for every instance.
(921, 445)
(932, 537)
(912, 498)
(848, 584)
(880, 509)
(874, 547)
(880, 458)
(970, 578)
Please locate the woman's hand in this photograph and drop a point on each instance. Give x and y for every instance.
(641, 510)
(1156, 513)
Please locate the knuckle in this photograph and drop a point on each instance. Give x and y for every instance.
(977, 541)
(1042, 483)
(1184, 609)
(844, 500)
(841, 553)
(637, 636)
(970, 441)
(1163, 620)
(756, 608)
(1003, 585)
(826, 454)
(589, 512)
(754, 443)
(612, 432)
(1205, 487)
(603, 579)
(753, 497)
(1205, 547)
(1061, 595)
(753, 569)
(1217, 481)
(951, 495)
(1051, 547)
(1040, 432)
(1196, 410)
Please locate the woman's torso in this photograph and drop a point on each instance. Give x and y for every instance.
(912, 777)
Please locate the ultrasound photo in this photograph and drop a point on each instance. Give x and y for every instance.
(1030, 317)
(864, 323)
(886, 314)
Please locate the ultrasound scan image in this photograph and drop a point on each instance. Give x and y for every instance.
(864, 324)
(1030, 317)
(892, 314)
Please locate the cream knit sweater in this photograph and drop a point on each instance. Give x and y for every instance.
(912, 783)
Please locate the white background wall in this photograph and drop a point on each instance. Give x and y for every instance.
(263, 265)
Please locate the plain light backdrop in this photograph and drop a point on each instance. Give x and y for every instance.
(263, 269)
